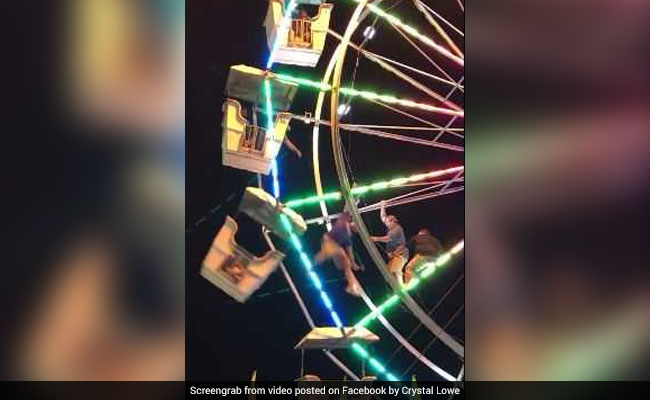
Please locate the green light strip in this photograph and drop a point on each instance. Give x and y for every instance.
(376, 365)
(414, 32)
(424, 273)
(381, 185)
(371, 96)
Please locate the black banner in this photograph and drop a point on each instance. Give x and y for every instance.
(325, 390)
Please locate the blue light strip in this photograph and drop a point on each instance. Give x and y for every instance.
(283, 25)
(376, 365)
(276, 182)
(310, 271)
(337, 320)
(270, 130)
(275, 172)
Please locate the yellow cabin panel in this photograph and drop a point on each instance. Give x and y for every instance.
(274, 16)
(320, 25)
(234, 126)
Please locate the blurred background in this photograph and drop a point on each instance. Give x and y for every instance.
(558, 157)
(93, 285)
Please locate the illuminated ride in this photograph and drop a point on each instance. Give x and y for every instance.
(256, 116)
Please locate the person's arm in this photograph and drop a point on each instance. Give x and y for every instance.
(382, 211)
(383, 239)
(292, 147)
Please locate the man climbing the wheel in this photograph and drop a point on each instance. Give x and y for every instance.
(426, 248)
(395, 244)
(337, 245)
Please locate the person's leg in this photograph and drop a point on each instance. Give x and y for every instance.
(326, 251)
(408, 270)
(319, 258)
(343, 263)
(396, 266)
(401, 262)
(393, 267)
(337, 254)
(350, 254)
(347, 270)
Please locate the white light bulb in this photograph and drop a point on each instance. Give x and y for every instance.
(369, 32)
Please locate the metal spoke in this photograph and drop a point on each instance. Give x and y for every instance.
(438, 28)
(377, 206)
(386, 135)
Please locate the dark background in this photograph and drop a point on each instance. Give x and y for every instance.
(226, 340)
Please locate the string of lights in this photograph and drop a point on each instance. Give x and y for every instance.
(426, 271)
(381, 185)
(414, 32)
(309, 267)
(270, 126)
(368, 95)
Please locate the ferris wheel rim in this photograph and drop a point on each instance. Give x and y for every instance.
(340, 51)
(339, 57)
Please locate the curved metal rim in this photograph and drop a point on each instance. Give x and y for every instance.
(337, 62)
(319, 191)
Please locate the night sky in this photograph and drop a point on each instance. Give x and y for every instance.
(226, 340)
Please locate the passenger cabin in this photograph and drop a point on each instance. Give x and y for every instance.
(246, 144)
(233, 269)
(267, 211)
(328, 338)
(302, 39)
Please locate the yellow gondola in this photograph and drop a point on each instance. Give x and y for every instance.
(248, 146)
(232, 268)
(245, 144)
(301, 41)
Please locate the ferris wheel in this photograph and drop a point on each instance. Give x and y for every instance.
(427, 114)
